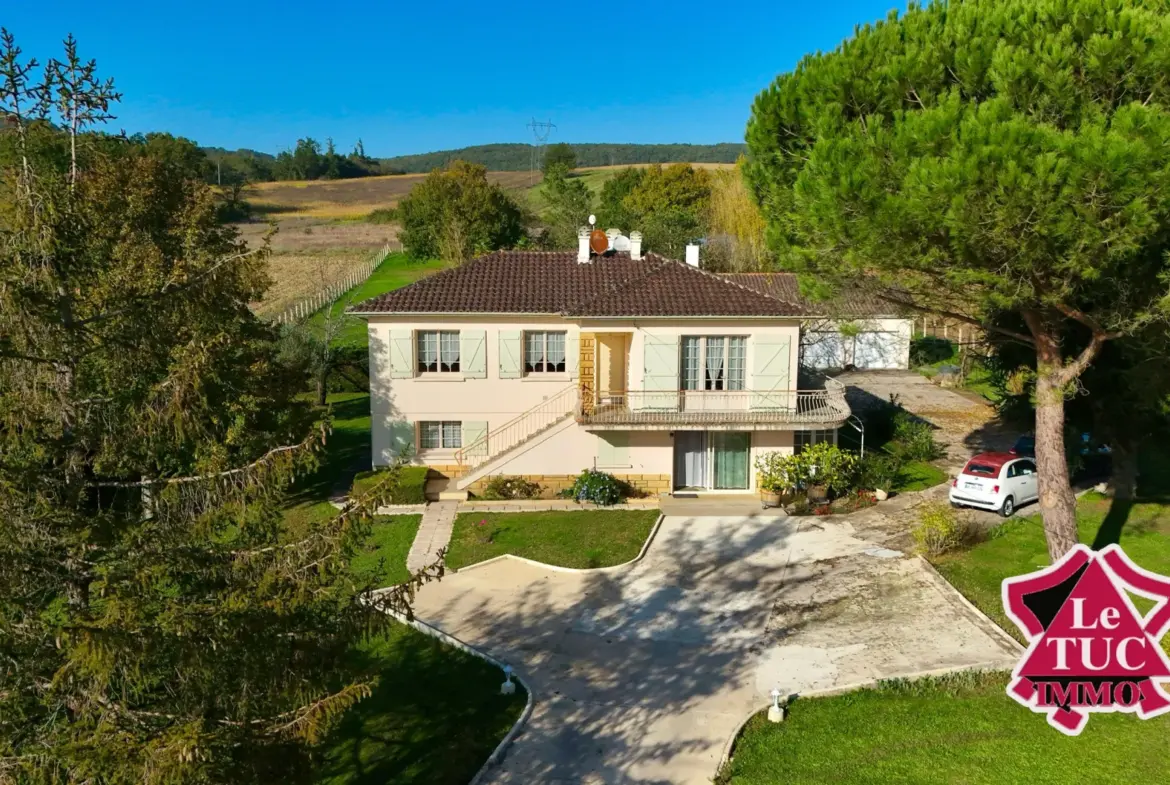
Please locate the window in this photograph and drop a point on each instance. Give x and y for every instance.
(713, 362)
(1021, 469)
(440, 435)
(544, 352)
(809, 438)
(438, 351)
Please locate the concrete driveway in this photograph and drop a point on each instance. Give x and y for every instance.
(642, 673)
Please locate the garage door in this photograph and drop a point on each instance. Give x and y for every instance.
(874, 350)
(824, 350)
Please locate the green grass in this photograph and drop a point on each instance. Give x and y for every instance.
(396, 271)
(918, 476)
(573, 538)
(346, 453)
(593, 179)
(436, 713)
(979, 378)
(383, 560)
(961, 729)
(1017, 547)
(435, 716)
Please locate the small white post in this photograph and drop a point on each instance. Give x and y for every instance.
(508, 687)
(775, 711)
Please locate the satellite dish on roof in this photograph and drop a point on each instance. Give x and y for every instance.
(621, 243)
(598, 242)
(592, 219)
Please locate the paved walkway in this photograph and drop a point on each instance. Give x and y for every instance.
(434, 532)
(642, 674)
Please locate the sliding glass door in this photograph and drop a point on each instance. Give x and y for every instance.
(717, 460)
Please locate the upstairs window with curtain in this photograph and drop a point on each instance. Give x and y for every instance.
(713, 362)
(438, 351)
(544, 352)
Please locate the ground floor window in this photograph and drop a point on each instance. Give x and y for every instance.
(440, 434)
(809, 438)
(712, 460)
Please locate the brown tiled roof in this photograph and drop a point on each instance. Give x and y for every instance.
(853, 303)
(553, 282)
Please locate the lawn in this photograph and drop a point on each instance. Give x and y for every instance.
(383, 560)
(918, 476)
(436, 713)
(563, 538)
(1017, 547)
(396, 271)
(961, 728)
(979, 380)
(435, 716)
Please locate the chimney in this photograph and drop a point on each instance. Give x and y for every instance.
(635, 245)
(612, 235)
(583, 245)
(693, 255)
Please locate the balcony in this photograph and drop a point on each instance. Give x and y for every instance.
(778, 410)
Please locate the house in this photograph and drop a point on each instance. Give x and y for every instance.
(543, 364)
(856, 330)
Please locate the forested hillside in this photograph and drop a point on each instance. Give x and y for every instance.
(518, 157)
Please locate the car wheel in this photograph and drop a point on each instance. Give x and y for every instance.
(1009, 506)
(956, 505)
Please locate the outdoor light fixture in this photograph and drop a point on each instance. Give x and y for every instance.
(775, 711)
(508, 687)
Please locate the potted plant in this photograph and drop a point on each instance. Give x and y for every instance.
(830, 471)
(778, 476)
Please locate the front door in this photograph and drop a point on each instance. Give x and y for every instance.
(711, 461)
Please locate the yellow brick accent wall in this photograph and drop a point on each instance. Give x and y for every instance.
(587, 364)
(552, 484)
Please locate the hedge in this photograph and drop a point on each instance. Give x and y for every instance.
(411, 487)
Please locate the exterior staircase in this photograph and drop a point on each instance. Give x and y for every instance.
(485, 453)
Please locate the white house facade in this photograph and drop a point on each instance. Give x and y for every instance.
(542, 364)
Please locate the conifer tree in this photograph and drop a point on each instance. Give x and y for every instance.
(158, 624)
(986, 159)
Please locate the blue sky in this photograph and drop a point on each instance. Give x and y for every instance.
(415, 77)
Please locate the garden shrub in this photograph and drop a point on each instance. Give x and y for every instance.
(410, 489)
(830, 466)
(597, 487)
(504, 487)
(879, 472)
(913, 439)
(929, 350)
(939, 529)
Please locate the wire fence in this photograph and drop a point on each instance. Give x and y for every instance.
(306, 307)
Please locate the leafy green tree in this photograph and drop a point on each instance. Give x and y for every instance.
(157, 622)
(569, 202)
(456, 213)
(611, 207)
(1008, 156)
(671, 206)
(559, 158)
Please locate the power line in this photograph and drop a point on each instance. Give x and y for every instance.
(541, 131)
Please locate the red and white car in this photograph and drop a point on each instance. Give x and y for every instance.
(999, 481)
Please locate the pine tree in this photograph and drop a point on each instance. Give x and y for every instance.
(987, 159)
(157, 622)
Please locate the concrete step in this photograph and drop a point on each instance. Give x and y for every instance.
(453, 496)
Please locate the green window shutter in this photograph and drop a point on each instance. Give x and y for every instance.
(402, 361)
(771, 357)
(613, 449)
(660, 371)
(472, 432)
(402, 442)
(473, 353)
(573, 355)
(510, 354)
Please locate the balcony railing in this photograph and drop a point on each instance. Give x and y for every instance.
(651, 408)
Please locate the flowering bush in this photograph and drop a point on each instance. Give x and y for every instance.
(597, 487)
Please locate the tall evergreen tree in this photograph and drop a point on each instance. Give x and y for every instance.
(986, 157)
(157, 622)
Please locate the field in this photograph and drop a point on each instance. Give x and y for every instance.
(298, 274)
